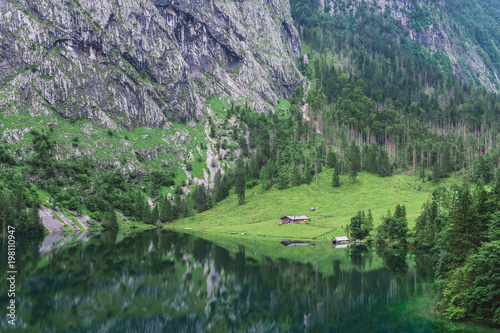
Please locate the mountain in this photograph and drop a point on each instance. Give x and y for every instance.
(143, 63)
(462, 36)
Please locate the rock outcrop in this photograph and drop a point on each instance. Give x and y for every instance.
(144, 62)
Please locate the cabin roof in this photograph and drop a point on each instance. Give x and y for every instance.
(296, 217)
(340, 239)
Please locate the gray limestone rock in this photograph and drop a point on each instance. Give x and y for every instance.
(145, 62)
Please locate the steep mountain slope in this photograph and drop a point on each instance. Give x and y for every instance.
(461, 35)
(143, 63)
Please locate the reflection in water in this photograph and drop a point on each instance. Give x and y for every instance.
(161, 281)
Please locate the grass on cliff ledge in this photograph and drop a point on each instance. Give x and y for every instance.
(334, 207)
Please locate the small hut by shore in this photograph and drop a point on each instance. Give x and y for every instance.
(340, 240)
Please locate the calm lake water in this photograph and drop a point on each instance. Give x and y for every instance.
(164, 281)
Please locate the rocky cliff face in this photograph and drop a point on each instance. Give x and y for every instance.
(143, 62)
(467, 59)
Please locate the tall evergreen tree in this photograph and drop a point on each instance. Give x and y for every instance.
(463, 232)
(109, 220)
(336, 176)
(165, 210)
(240, 181)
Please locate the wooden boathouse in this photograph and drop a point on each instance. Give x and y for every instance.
(340, 240)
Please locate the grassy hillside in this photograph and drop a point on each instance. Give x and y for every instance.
(333, 207)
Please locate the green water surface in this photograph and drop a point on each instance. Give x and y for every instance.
(164, 281)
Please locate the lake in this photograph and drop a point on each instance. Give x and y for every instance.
(165, 281)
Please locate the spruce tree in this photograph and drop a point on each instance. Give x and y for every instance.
(264, 178)
(383, 164)
(355, 227)
(155, 215)
(336, 176)
(240, 181)
(109, 221)
(463, 232)
(165, 210)
(353, 161)
(436, 172)
(369, 221)
(35, 222)
(332, 159)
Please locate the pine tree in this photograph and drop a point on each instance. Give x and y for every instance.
(240, 181)
(296, 179)
(308, 175)
(369, 221)
(165, 210)
(463, 233)
(436, 172)
(372, 158)
(264, 178)
(332, 159)
(353, 161)
(35, 222)
(336, 176)
(355, 227)
(383, 164)
(155, 215)
(109, 220)
(283, 179)
(424, 225)
(200, 199)
(175, 212)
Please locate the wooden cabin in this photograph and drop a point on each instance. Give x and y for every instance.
(294, 219)
(340, 239)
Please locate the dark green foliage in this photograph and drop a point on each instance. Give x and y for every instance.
(242, 142)
(464, 242)
(109, 220)
(240, 181)
(201, 199)
(221, 187)
(436, 172)
(160, 178)
(155, 215)
(494, 227)
(353, 160)
(356, 227)
(485, 291)
(484, 169)
(361, 225)
(368, 223)
(384, 167)
(142, 210)
(394, 228)
(308, 175)
(425, 229)
(165, 210)
(5, 157)
(332, 159)
(420, 18)
(19, 207)
(463, 234)
(42, 158)
(336, 176)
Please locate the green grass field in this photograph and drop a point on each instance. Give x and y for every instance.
(334, 207)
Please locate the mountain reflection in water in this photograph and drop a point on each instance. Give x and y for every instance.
(163, 281)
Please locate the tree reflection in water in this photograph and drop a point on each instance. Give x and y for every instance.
(161, 281)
